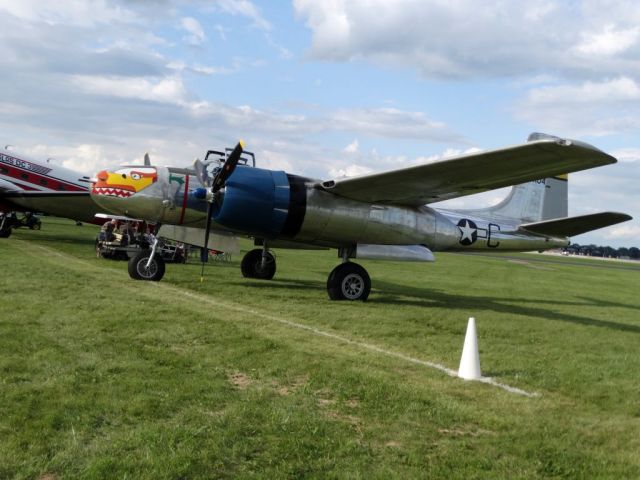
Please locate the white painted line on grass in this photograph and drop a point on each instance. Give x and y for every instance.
(315, 331)
(364, 345)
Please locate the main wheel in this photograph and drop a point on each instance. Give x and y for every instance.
(5, 233)
(349, 281)
(251, 265)
(138, 267)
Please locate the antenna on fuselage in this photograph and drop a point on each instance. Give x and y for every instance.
(147, 160)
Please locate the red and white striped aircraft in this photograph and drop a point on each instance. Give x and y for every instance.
(35, 186)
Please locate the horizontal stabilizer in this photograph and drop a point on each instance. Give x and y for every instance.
(570, 226)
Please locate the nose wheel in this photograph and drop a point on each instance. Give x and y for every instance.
(349, 281)
(141, 267)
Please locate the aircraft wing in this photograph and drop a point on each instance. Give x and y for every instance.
(74, 205)
(570, 226)
(469, 174)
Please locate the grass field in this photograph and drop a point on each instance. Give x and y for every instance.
(105, 377)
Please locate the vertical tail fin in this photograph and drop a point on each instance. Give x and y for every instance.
(534, 201)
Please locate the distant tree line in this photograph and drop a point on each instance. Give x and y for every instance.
(592, 250)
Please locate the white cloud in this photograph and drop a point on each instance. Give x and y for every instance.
(164, 90)
(627, 154)
(391, 123)
(349, 171)
(621, 89)
(591, 108)
(70, 12)
(81, 158)
(627, 232)
(464, 39)
(353, 147)
(180, 66)
(448, 153)
(247, 9)
(195, 31)
(608, 42)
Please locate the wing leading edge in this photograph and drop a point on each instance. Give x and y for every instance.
(469, 174)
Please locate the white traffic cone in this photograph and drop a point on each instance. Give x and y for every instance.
(470, 360)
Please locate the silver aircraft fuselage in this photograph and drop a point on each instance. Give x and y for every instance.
(298, 212)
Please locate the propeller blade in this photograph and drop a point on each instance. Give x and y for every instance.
(228, 167)
(218, 182)
(206, 239)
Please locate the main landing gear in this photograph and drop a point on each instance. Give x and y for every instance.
(348, 281)
(259, 263)
(5, 225)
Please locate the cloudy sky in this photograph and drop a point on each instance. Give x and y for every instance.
(327, 88)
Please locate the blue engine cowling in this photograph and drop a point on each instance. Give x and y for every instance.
(263, 203)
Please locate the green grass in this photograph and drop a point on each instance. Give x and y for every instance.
(105, 377)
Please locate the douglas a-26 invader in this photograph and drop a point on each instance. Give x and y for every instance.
(377, 216)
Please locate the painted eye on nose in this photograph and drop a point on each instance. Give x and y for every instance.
(135, 176)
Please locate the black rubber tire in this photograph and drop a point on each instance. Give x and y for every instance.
(6, 233)
(349, 281)
(251, 265)
(137, 269)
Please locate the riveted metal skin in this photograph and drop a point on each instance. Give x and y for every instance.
(276, 205)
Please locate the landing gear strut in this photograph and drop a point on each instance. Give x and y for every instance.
(349, 281)
(258, 263)
(5, 225)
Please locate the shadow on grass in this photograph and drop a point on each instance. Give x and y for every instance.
(285, 283)
(564, 261)
(428, 298)
(388, 293)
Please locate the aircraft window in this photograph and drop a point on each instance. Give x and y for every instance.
(61, 187)
(24, 176)
(43, 181)
(4, 170)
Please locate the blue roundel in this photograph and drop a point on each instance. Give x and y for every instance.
(468, 232)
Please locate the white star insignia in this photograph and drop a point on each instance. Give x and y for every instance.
(467, 232)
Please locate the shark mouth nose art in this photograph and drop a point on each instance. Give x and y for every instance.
(125, 182)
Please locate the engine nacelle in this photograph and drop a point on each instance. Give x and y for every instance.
(256, 202)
